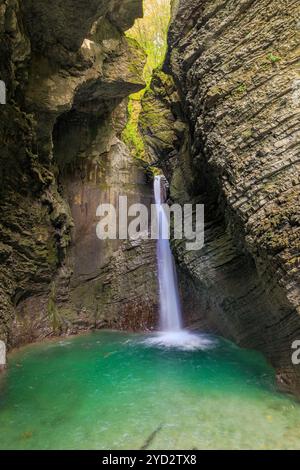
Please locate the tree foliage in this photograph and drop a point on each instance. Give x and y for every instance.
(151, 33)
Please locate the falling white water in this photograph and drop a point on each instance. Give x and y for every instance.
(172, 335)
(170, 311)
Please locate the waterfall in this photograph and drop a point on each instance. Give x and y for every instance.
(171, 334)
(170, 309)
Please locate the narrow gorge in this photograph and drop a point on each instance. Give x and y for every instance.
(103, 99)
(222, 119)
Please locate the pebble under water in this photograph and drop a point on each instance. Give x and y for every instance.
(110, 390)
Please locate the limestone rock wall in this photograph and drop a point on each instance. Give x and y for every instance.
(68, 67)
(235, 68)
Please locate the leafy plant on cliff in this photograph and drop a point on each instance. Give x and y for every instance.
(273, 58)
(241, 88)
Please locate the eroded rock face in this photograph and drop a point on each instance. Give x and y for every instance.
(109, 283)
(235, 69)
(68, 67)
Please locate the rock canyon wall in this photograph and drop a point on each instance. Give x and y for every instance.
(225, 131)
(68, 68)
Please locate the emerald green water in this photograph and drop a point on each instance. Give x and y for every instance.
(108, 390)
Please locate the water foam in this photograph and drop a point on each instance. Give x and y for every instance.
(183, 340)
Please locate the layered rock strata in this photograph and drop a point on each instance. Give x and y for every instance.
(235, 67)
(68, 68)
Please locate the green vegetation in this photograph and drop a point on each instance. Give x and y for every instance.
(131, 134)
(151, 34)
(241, 88)
(273, 58)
